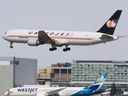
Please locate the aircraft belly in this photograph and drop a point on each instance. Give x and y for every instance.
(82, 42)
(17, 39)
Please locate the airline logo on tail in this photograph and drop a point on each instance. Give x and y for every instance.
(111, 24)
(94, 88)
(98, 86)
(103, 76)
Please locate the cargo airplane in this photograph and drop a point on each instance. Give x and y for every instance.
(65, 38)
(34, 90)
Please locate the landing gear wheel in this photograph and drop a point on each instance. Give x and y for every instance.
(52, 49)
(11, 44)
(66, 49)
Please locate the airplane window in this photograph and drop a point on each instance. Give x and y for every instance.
(62, 34)
(30, 33)
(52, 33)
(57, 34)
(67, 34)
(35, 33)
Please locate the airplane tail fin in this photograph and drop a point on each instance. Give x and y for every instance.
(98, 86)
(111, 23)
(102, 78)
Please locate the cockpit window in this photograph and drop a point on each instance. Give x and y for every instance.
(5, 32)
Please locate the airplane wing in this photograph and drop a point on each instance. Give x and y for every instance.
(49, 93)
(54, 92)
(44, 38)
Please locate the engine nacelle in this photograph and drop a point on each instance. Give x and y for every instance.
(33, 42)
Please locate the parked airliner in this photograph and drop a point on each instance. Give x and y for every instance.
(95, 88)
(65, 38)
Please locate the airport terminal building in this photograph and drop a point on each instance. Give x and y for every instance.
(87, 71)
(16, 72)
(61, 74)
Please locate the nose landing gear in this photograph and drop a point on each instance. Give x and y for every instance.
(11, 45)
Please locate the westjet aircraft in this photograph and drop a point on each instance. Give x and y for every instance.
(34, 90)
(65, 38)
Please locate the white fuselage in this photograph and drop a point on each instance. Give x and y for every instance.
(42, 91)
(53, 91)
(60, 37)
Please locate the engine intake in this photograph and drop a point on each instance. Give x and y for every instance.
(33, 42)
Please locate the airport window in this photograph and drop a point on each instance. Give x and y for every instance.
(56, 70)
(63, 70)
(69, 70)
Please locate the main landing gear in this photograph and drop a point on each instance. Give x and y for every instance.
(66, 49)
(11, 45)
(52, 49)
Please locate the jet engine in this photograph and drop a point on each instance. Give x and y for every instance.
(33, 42)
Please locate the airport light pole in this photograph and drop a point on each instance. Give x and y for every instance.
(14, 70)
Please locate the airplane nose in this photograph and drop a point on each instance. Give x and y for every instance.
(5, 32)
(6, 93)
(5, 36)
